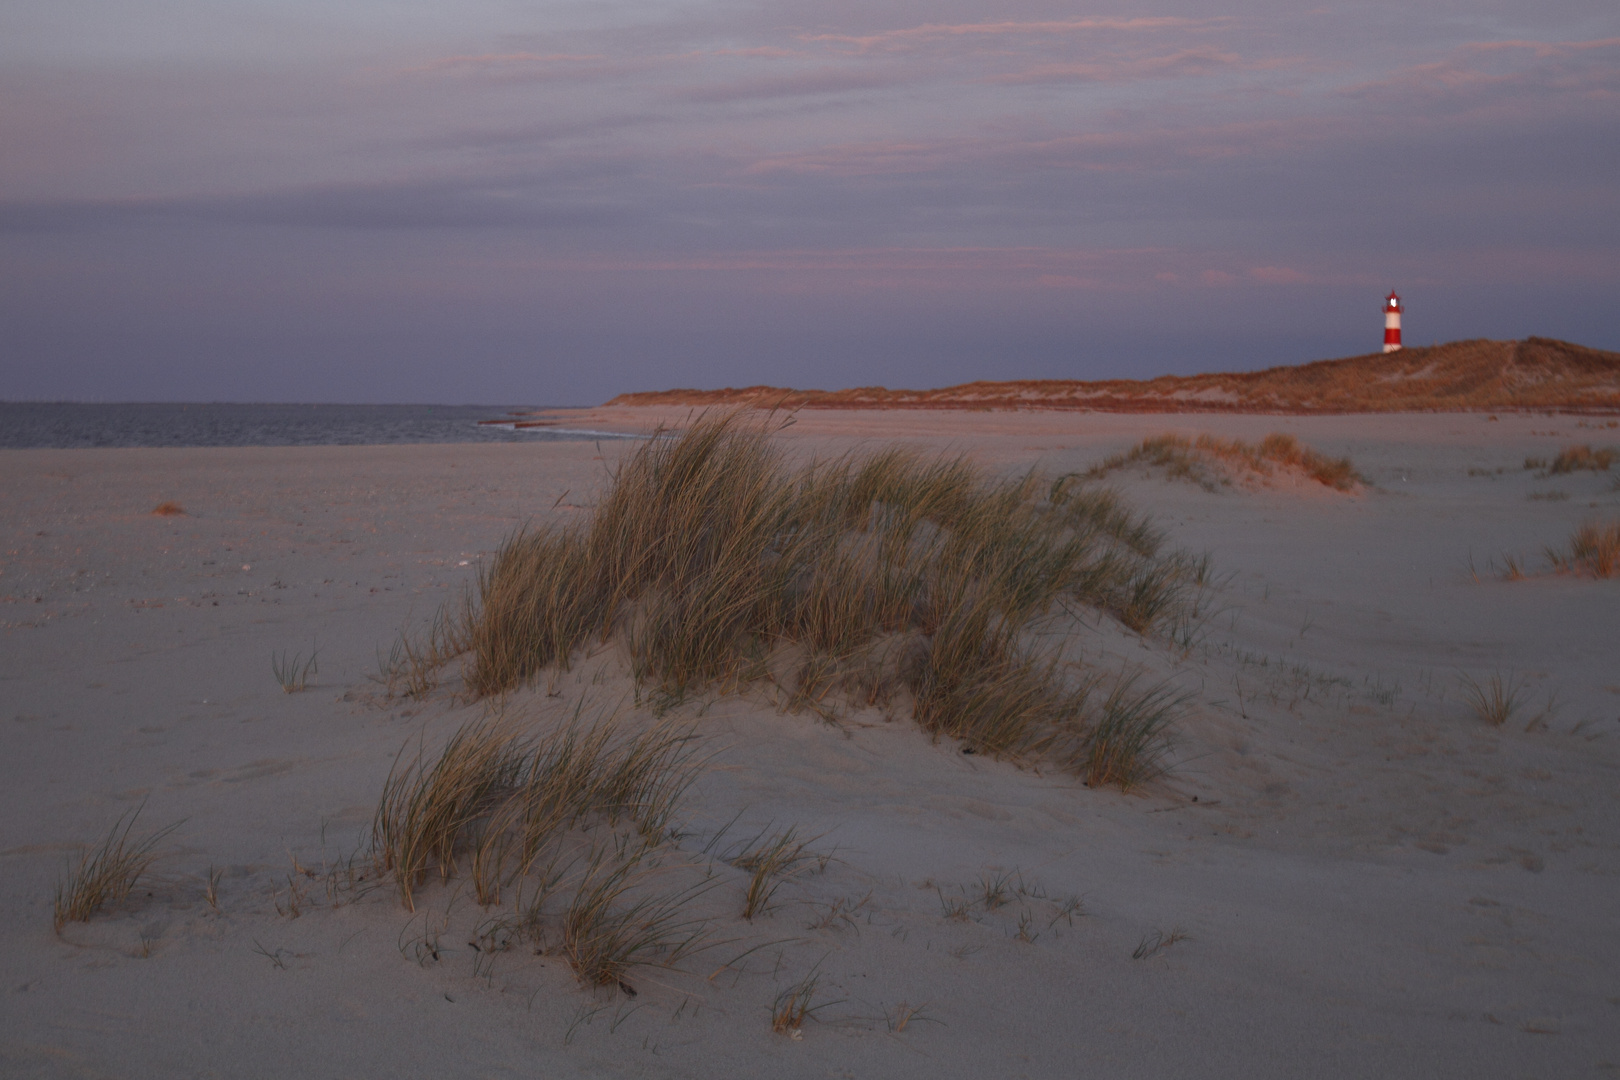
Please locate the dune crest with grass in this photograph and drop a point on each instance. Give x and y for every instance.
(1475, 375)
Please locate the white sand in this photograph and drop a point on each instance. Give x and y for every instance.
(1372, 883)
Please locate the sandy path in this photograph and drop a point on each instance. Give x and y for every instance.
(1371, 882)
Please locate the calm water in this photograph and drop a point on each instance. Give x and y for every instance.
(56, 425)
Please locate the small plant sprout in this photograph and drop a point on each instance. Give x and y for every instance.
(1156, 941)
(840, 912)
(273, 957)
(770, 863)
(1068, 911)
(1497, 698)
(108, 872)
(293, 672)
(904, 1015)
(796, 1004)
(211, 888)
(995, 890)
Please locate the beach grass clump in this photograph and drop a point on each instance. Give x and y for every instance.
(1175, 454)
(414, 661)
(614, 922)
(107, 873)
(1129, 743)
(797, 1003)
(1578, 458)
(502, 799)
(719, 564)
(1495, 699)
(769, 862)
(1200, 459)
(293, 671)
(1594, 548)
(570, 827)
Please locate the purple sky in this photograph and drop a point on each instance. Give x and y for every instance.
(548, 202)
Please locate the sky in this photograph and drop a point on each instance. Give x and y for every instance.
(547, 202)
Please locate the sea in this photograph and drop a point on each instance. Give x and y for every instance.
(72, 425)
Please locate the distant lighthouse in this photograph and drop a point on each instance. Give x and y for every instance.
(1392, 322)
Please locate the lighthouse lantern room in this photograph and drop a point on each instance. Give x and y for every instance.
(1392, 322)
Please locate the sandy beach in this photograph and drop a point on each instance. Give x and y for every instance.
(1345, 872)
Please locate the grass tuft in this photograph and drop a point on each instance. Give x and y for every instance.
(1594, 548)
(1129, 743)
(108, 872)
(1577, 458)
(293, 672)
(615, 922)
(502, 799)
(1207, 460)
(769, 863)
(1497, 698)
(796, 1003)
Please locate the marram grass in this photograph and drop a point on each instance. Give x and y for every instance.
(107, 873)
(864, 579)
(1199, 460)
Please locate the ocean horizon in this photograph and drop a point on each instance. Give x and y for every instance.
(87, 425)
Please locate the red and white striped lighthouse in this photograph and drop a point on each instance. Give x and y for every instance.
(1392, 322)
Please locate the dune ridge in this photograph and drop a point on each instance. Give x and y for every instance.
(1460, 376)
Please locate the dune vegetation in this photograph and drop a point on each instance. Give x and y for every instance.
(1476, 375)
(889, 580)
(1212, 462)
(865, 580)
(1594, 548)
(714, 565)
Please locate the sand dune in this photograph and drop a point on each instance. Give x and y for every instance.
(1537, 373)
(1345, 873)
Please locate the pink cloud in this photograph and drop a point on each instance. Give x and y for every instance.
(1185, 63)
(819, 81)
(486, 62)
(769, 52)
(912, 36)
(1279, 275)
(1505, 73)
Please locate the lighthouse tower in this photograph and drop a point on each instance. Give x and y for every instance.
(1392, 322)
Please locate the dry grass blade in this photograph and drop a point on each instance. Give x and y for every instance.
(108, 872)
(1497, 698)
